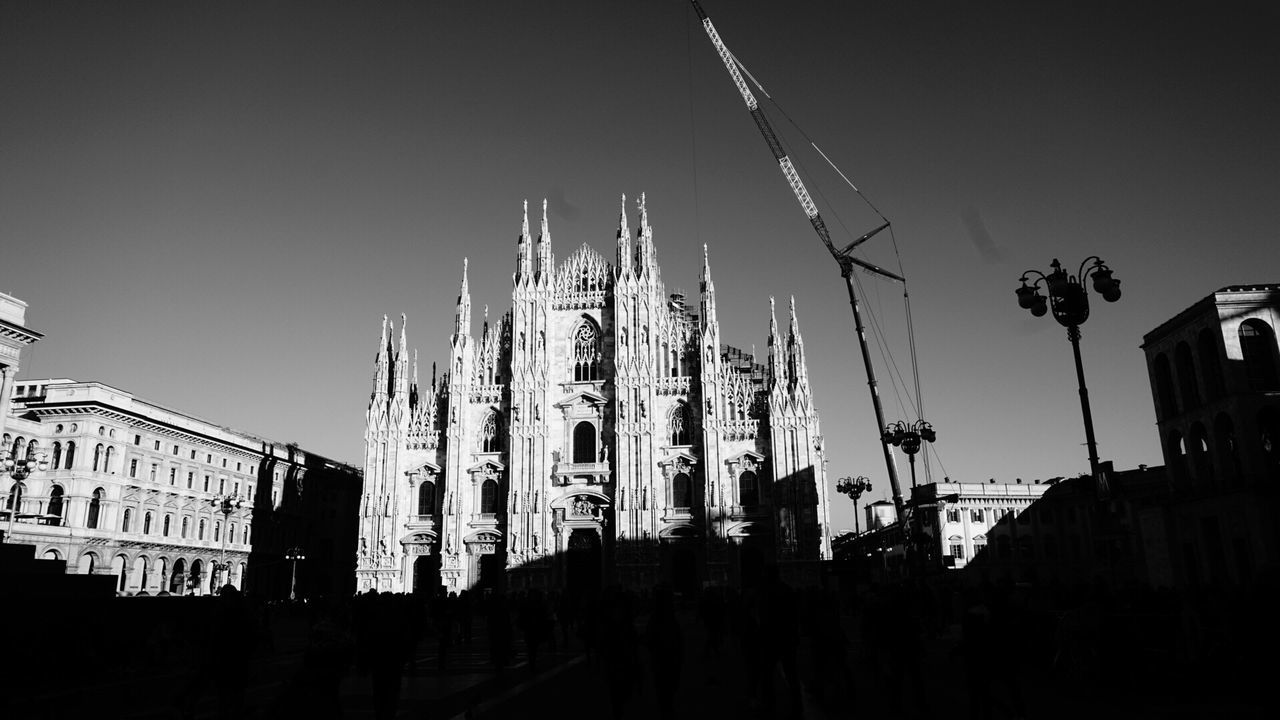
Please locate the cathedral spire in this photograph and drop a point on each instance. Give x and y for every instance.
(544, 248)
(462, 318)
(709, 320)
(795, 353)
(524, 253)
(777, 362)
(624, 241)
(645, 260)
(400, 380)
(380, 365)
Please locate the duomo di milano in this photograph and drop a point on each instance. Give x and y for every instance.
(599, 432)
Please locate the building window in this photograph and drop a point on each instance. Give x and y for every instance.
(584, 442)
(679, 424)
(1164, 387)
(586, 352)
(957, 551)
(490, 439)
(275, 497)
(154, 469)
(173, 476)
(157, 445)
(58, 429)
(953, 515)
(224, 462)
(748, 492)
(108, 456)
(71, 453)
(97, 457)
(977, 516)
(237, 467)
(167, 520)
(246, 534)
(208, 459)
(217, 530)
(206, 483)
(235, 489)
(57, 455)
(193, 454)
(95, 506)
(681, 492)
(133, 468)
(978, 547)
(191, 479)
(146, 524)
(201, 530)
(137, 439)
(55, 501)
(186, 525)
(427, 498)
(489, 497)
(1258, 345)
(231, 533)
(222, 486)
(124, 524)
(249, 492)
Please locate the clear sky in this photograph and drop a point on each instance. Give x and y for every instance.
(213, 204)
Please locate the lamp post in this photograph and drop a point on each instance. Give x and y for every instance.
(293, 555)
(1070, 303)
(225, 504)
(19, 470)
(854, 487)
(908, 437)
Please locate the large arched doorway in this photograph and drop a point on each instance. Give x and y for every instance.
(582, 563)
(178, 577)
(426, 575)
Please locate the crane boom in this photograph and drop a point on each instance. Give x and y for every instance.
(842, 257)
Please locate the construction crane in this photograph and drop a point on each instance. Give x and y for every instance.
(843, 256)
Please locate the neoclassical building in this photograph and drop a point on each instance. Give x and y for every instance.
(597, 432)
(128, 493)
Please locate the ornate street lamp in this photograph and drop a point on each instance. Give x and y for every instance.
(854, 487)
(908, 437)
(19, 470)
(225, 504)
(1070, 303)
(293, 556)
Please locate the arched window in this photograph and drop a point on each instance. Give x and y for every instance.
(124, 524)
(146, 523)
(167, 522)
(675, 362)
(57, 455)
(681, 491)
(55, 501)
(14, 503)
(106, 463)
(97, 457)
(1164, 387)
(748, 490)
(427, 498)
(186, 525)
(1200, 459)
(584, 442)
(586, 352)
(245, 540)
(1207, 350)
(217, 530)
(490, 437)
(19, 448)
(95, 507)
(1186, 376)
(489, 496)
(201, 531)
(680, 424)
(71, 454)
(231, 533)
(1177, 455)
(1258, 345)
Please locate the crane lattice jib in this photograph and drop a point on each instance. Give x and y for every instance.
(771, 138)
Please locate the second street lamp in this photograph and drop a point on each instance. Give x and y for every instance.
(854, 487)
(293, 556)
(1070, 303)
(225, 504)
(19, 470)
(908, 437)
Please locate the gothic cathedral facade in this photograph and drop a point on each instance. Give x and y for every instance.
(597, 433)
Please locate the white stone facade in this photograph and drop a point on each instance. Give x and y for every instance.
(597, 432)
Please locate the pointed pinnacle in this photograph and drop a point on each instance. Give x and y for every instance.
(524, 224)
(622, 218)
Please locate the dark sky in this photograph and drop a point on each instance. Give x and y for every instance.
(213, 204)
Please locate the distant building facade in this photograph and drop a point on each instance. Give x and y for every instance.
(598, 431)
(14, 336)
(129, 490)
(1215, 382)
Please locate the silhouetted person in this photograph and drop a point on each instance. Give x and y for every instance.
(228, 666)
(534, 625)
(385, 646)
(466, 614)
(442, 617)
(665, 642)
(618, 650)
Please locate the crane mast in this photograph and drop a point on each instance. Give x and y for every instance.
(842, 256)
